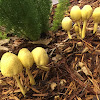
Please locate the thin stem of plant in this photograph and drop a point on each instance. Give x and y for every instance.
(70, 37)
(84, 29)
(95, 27)
(20, 85)
(32, 80)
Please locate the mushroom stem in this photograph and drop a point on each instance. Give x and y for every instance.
(43, 68)
(32, 80)
(95, 27)
(76, 29)
(70, 37)
(78, 23)
(84, 29)
(20, 85)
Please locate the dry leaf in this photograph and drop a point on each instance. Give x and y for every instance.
(53, 86)
(78, 75)
(4, 41)
(96, 85)
(85, 50)
(79, 44)
(63, 82)
(2, 48)
(85, 69)
(42, 41)
(79, 98)
(3, 82)
(97, 52)
(69, 49)
(57, 57)
(57, 97)
(89, 97)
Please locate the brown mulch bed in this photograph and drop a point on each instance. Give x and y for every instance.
(74, 65)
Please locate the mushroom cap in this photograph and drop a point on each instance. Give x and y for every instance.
(40, 56)
(86, 12)
(26, 57)
(66, 23)
(96, 14)
(10, 65)
(75, 13)
(76, 28)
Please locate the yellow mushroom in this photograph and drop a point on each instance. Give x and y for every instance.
(76, 28)
(27, 60)
(67, 25)
(40, 58)
(96, 18)
(86, 14)
(75, 14)
(11, 66)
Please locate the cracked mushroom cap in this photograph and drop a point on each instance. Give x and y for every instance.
(10, 65)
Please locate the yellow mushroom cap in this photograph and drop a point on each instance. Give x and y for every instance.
(76, 28)
(86, 12)
(26, 57)
(40, 56)
(66, 23)
(96, 14)
(75, 13)
(10, 65)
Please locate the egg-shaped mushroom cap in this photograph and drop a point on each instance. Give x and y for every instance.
(86, 12)
(75, 13)
(40, 56)
(76, 28)
(26, 57)
(96, 14)
(66, 23)
(10, 65)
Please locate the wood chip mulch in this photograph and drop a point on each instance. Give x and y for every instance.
(74, 65)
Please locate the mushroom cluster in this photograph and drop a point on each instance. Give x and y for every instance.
(12, 65)
(77, 15)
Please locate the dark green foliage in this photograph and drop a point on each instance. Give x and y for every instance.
(44, 11)
(59, 14)
(28, 18)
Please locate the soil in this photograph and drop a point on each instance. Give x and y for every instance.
(74, 64)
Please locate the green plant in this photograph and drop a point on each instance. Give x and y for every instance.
(44, 12)
(59, 14)
(3, 35)
(26, 18)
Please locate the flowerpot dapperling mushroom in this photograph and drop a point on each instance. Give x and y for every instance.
(67, 25)
(40, 58)
(11, 66)
(75, 14)
(96, 18)
(27, 60)
(86, 14)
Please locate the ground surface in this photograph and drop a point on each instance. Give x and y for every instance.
(74, 65)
